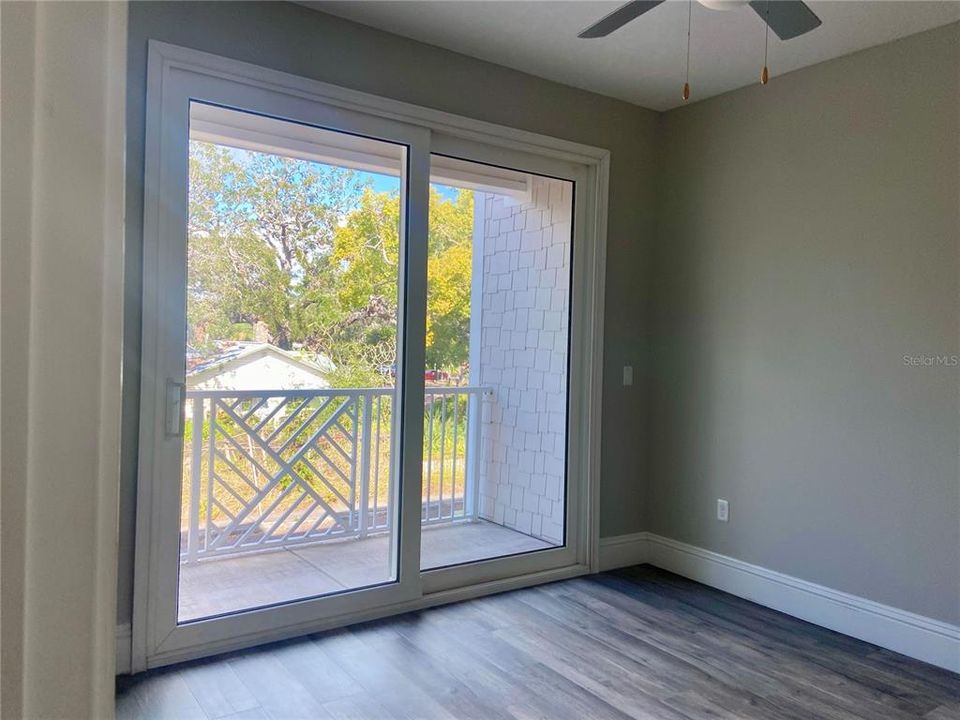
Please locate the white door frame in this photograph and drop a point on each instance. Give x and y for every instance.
(174, 76)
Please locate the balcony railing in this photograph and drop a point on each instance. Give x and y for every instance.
(268, 469)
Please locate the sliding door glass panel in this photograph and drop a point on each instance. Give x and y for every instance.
(288, 487)
(498, 306)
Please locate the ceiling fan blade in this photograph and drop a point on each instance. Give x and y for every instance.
(618, 18)
(787, 18)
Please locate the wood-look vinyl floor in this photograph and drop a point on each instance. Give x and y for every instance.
(637, 643)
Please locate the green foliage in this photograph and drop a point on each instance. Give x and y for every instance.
(311, 253)
(355, 375)
(449, 273)
(445, 427)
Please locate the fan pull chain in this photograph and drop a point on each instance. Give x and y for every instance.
(686, 84)
(765, 73)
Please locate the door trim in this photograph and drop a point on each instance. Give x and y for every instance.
(165, 61)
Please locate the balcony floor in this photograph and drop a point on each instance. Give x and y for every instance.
(216, 587)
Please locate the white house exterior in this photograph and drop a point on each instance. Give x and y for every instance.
(258, 366)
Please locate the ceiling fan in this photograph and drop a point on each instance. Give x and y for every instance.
(787, 18)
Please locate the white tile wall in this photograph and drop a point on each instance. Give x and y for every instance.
(523, 357)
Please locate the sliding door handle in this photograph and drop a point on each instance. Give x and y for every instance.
(174, 397)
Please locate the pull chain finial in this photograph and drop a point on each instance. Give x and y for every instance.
(765, 73)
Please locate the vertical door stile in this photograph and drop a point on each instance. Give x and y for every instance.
(412, 332)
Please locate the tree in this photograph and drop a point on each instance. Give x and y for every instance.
(261, 236)
(449, 275)
(313, 252)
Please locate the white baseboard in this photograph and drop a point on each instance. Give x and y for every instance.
(917, 636)
(623, 550)
(123, 648)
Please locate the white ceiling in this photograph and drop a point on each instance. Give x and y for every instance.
(643, 62)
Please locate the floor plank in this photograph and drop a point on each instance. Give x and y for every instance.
(637, 643)
(166, 695)
(217, 689)
(281, 695)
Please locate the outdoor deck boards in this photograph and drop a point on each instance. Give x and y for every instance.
(638, 643)
(214, 587)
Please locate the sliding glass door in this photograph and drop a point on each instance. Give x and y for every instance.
(496, 486)
(361, 387)
(292, 308)
(283, 379)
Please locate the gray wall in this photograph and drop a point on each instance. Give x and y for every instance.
(17, 69)
(808, 241)
(301, 41)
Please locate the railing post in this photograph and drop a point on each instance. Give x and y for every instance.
(196, 448)
(471, 485)
(393, 434)
(365, 448)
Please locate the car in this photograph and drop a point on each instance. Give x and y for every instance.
(430, 375)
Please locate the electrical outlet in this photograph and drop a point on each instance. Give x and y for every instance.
(723, 510)
(627, 375)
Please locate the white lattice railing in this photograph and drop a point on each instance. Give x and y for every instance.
(267, 469)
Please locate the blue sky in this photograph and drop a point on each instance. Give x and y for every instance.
(386, 183)
(379, 182)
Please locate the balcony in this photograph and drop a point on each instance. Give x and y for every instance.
(290, 494)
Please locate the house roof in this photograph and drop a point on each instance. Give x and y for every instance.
(241, 353)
